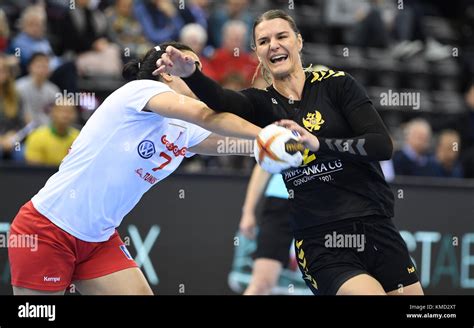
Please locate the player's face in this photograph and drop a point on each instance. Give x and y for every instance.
(63, 116)
(40, 67)
(178, 85)
(278, 47)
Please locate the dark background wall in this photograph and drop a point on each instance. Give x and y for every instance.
(188, 223)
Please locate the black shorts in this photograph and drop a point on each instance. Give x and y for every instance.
(331, 254)
(274, 236)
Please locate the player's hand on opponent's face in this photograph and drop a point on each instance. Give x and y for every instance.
(175, 62)
(309, 140)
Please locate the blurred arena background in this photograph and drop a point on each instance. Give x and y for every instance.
(59, 59)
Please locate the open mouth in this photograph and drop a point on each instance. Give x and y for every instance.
(278, 59)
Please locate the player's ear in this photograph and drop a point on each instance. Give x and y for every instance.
(300, 42)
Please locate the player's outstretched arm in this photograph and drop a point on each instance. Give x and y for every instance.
(371, 143)
(172, 105)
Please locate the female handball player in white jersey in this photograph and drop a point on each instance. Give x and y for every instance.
(134, 139)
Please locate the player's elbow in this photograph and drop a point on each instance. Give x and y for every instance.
(206, 116)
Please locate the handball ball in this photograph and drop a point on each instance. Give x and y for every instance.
(277, 148)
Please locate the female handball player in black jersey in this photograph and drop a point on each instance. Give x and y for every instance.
(342, 209)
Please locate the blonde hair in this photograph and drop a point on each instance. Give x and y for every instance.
(417, 123)
(268, 78)
(265, 74)
(32, 11)
(4, 29)
(193, 29)
(8, 94)
(273, 14)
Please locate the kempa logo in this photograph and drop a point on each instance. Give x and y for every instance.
(51, 279)
(37, 311)
(393, 98)
(336, 240)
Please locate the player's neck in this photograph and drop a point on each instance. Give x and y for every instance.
(291, 86)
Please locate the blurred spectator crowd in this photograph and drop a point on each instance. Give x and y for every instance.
(59, 59)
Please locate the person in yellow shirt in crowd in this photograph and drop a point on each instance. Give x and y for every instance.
(49, 144)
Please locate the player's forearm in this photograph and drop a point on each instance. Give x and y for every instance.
(371, 142)
(206, 89)
(255, 188)
(216, 145)
(172, 105)
(368, 147)
(219, 98)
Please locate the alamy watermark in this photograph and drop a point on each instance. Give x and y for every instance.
(28, 310)
(235, 146)
(19, 241)
(82, 99)
(336, 240)
(400, 99)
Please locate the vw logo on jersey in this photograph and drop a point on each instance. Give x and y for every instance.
(146, 149)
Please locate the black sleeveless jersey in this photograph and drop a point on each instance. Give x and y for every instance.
(343, 179)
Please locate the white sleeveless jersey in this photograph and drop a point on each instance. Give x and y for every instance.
(121, 152)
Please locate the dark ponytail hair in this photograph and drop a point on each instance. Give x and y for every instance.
(142, 69)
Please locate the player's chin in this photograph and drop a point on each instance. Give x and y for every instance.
(280, 72)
